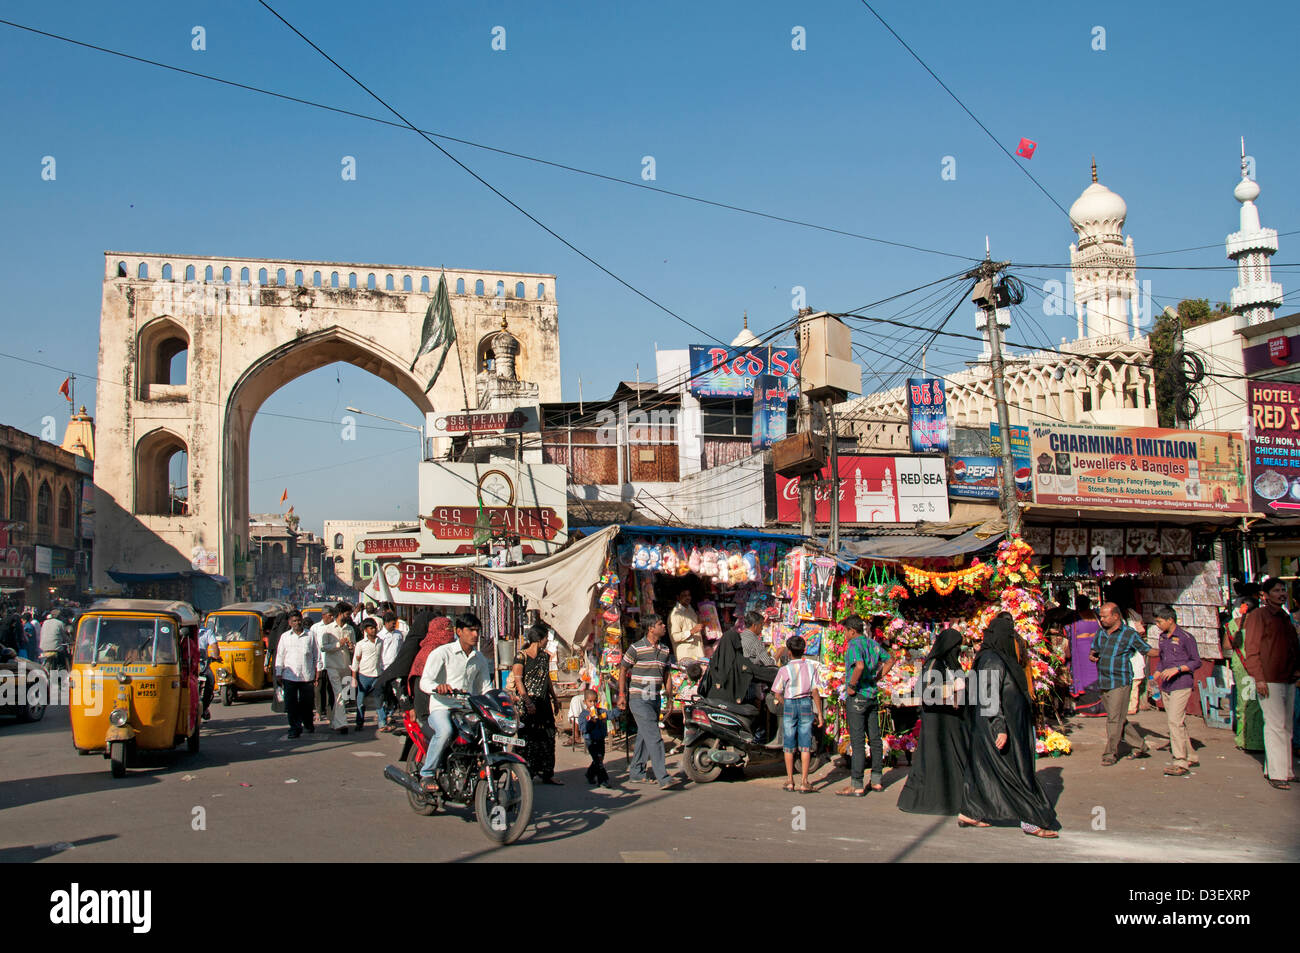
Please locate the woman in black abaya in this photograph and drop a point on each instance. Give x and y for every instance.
(1000, 783)
(934, 784)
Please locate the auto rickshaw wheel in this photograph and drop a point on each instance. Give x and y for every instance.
(117, 754)
(228, 696)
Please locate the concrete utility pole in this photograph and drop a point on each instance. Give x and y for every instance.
(986, 299)
(834, 546)
(807, 482)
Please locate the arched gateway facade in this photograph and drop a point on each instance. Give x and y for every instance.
(247, 327)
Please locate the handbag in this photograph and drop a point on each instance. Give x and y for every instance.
(277, 703)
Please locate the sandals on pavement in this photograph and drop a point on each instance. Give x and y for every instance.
(1107, 761)
(851, 792)
(1045, 834)
(788, 786)
(1280, 785)
(962, 822)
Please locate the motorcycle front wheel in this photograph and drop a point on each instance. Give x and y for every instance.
(697, 764)
(503, 818)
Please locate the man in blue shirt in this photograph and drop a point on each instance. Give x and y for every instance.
(1113, 650)
(865, 663)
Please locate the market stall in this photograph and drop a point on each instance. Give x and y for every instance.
(908, 603)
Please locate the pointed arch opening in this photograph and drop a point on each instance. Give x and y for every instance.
(161, 474)
(162, 359)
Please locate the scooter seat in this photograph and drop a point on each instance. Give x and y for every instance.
(731, 708)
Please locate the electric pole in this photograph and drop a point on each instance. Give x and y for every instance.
(986, 297)
(807, 482)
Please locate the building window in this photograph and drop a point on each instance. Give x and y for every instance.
(44, 503)
(20, 501)
(338, 540)
(65, 509)
(162, 353)
(728, 418)
(161, 473)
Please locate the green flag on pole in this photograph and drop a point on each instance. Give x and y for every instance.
(438, 331)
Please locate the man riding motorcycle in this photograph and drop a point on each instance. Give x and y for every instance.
(208, 637)
(54, 641)
(456, 666)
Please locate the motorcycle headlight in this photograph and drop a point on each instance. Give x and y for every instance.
(117, 717)
(507, 725)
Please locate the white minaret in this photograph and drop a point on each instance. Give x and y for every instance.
(1256, 294)
(1102, 265)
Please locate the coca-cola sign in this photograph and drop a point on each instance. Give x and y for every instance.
(873, 490)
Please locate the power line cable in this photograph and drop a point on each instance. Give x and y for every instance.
(728, 206)
(965, 109)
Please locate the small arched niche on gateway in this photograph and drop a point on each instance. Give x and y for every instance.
(155, 494)
(162, 360)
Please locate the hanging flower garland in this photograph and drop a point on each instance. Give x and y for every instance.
(971, 579)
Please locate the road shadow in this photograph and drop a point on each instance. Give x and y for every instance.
(1052, 781)
(22, 791)
(34, 853)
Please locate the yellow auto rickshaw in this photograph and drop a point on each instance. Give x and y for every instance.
(312, 612)
(134, 680)
(247, 636)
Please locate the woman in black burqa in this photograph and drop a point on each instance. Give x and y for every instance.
(934, 783)
(1001, 784)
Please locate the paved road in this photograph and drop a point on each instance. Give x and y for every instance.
(324, 798)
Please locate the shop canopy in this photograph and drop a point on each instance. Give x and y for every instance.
(640, 529)
(125, 578)
(895, 548)
(1041, 512)
(560, 587)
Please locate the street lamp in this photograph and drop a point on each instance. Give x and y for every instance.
(419, 430)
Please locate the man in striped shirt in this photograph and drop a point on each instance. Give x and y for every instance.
(1112, 650)
(644, 664)
(796, 688)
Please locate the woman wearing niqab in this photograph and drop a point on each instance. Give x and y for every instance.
(1000, 782)
(934, 783)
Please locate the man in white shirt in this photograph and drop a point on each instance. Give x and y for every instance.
(685, 629)
(390, 637)
(324, 692)
(365, 668)
(459, 666)
(336, 661)
(297, 660)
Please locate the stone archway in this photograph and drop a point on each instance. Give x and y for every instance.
(274, 370)
(247, 338)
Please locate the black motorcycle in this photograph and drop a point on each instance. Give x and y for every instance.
(478, 768)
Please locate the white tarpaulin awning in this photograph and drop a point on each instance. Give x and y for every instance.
(560, 587)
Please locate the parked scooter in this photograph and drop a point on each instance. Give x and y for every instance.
(722, 734)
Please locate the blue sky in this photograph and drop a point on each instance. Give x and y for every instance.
(850, 133)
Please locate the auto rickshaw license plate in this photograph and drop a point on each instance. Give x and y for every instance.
(510, 741)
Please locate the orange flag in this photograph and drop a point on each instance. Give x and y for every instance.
(66, 389)
(285, 495)
(290, 513)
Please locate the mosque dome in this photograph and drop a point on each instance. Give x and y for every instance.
(1098, 214)
(746, 337)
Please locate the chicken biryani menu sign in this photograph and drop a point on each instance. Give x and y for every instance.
(1138, 467)
(1275, 447)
